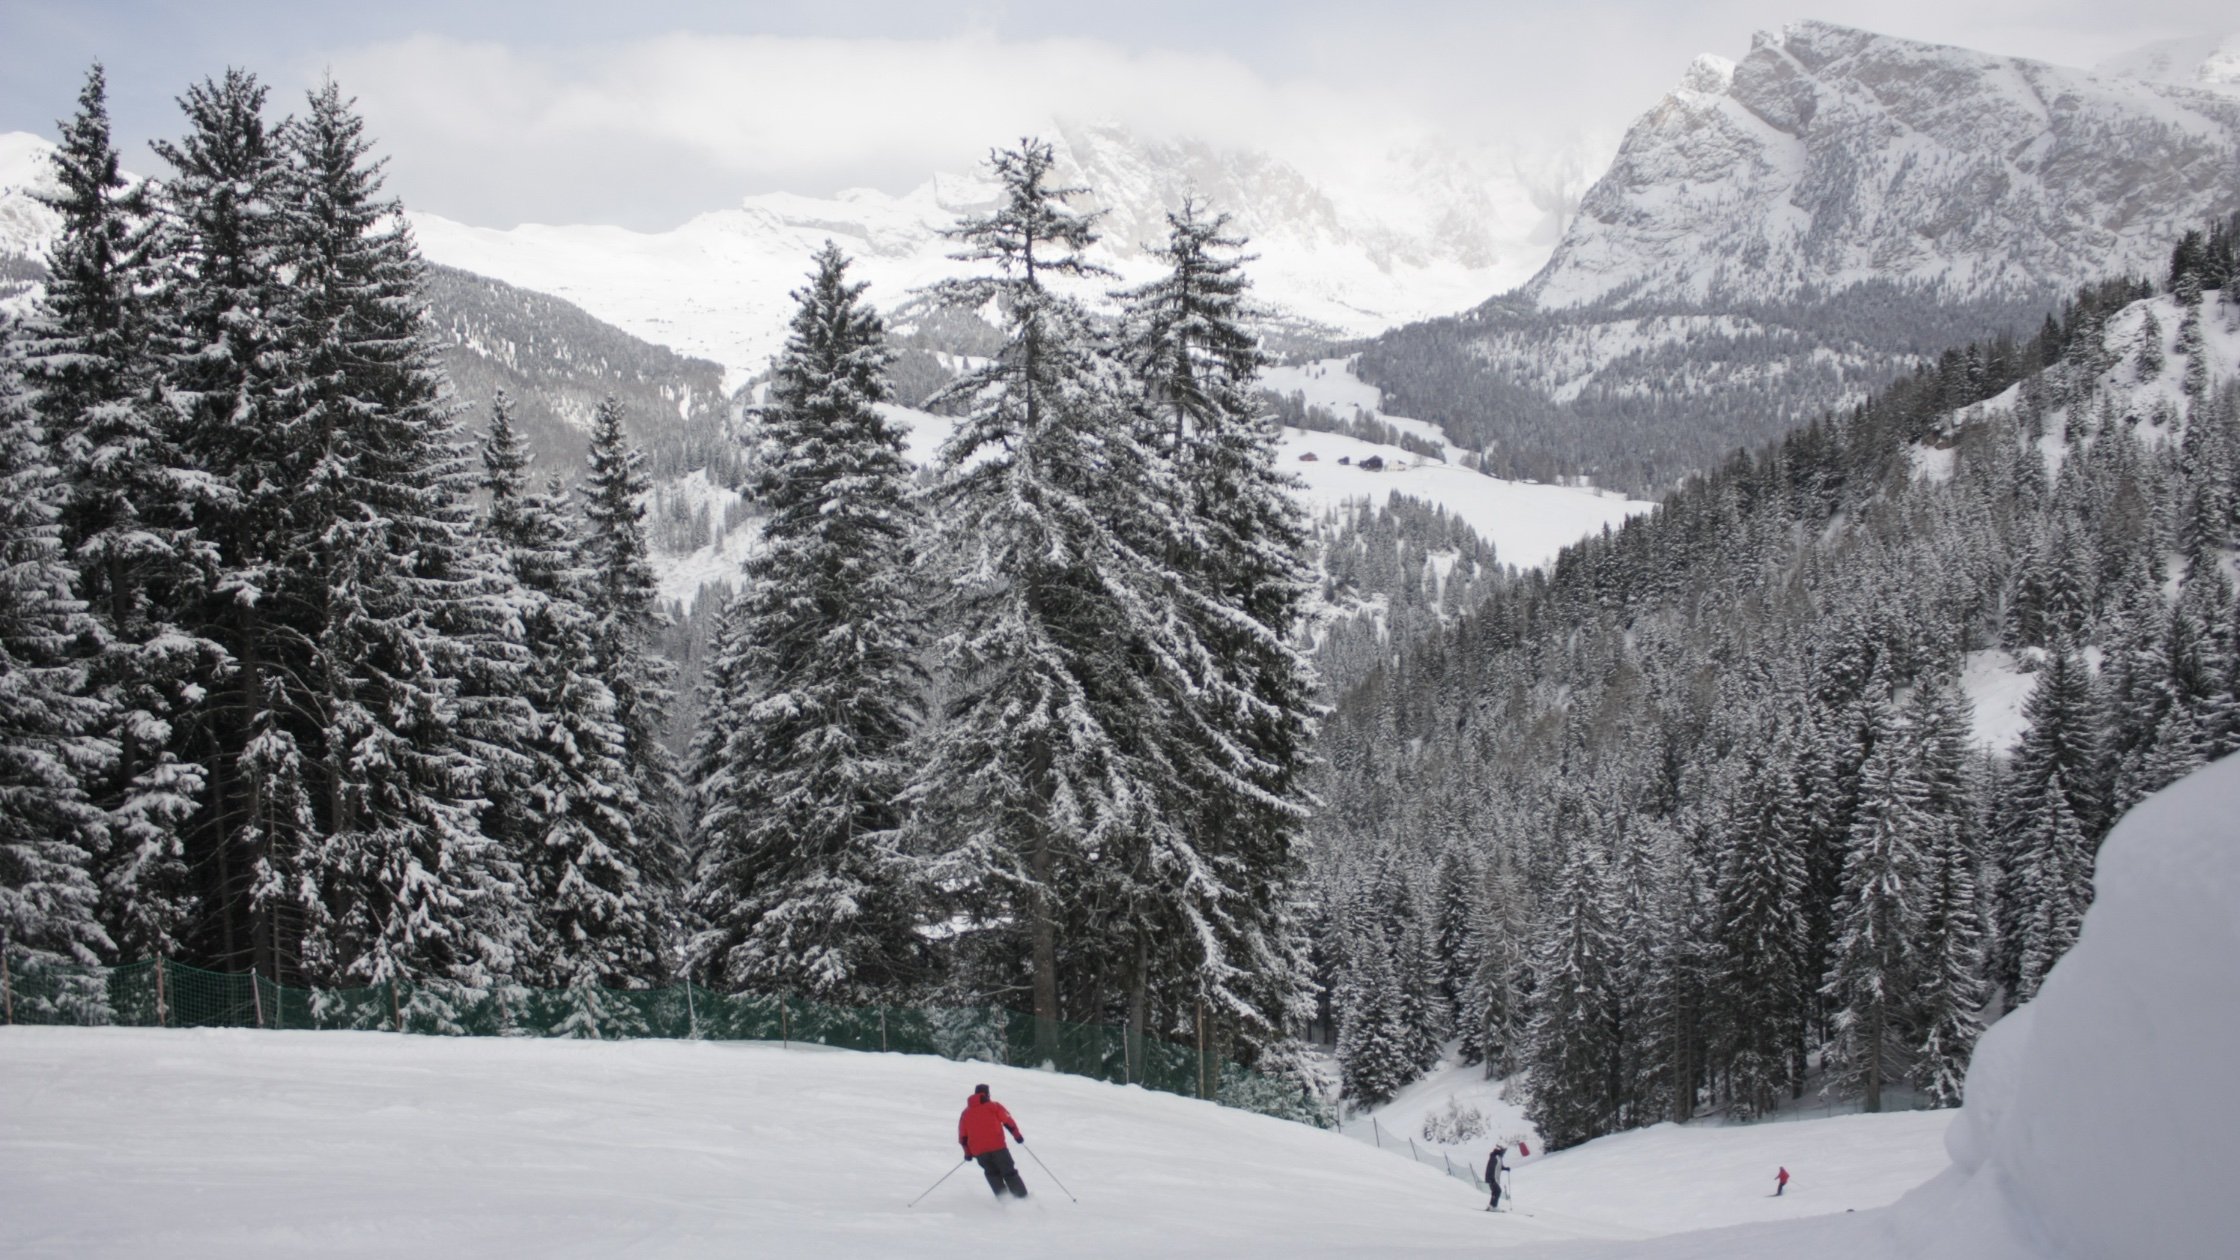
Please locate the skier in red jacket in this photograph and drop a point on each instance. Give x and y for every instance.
(1780, 1182)
(980, 1133)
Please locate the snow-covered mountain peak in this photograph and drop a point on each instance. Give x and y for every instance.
(1429, 230)
(2202, 61)
(1832, 157)
(1708, 75)
(26, 223)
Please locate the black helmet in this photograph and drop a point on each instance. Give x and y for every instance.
(981, 1090)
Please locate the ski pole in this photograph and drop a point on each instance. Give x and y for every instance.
(944, 1177)
(1047, 1173)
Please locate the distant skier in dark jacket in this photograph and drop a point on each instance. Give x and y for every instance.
(1494, 1169)
(980, 1133)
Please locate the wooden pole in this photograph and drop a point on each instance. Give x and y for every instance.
(691, 1012)
(256, 997)
(7, 984)
(785, 1024)
(1201, 1047)
(396, 1008)
(882, 1028)
(163, 1013)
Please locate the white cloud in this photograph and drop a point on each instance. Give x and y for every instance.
(560, 125)
(482, 131)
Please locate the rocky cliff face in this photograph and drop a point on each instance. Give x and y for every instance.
(1831, 157)
(1780, 234)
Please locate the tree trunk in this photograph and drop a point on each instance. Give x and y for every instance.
(1139, 991)
(1044, 930)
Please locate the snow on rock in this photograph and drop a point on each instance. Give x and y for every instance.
(2211, 62)
(238, 1144)
(27, 224)
(1830, 157)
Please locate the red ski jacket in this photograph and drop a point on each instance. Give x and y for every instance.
(981, 1126)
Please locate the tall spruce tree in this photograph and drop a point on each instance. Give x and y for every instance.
(803, 881)
(565, 811)
(376, 568)
(223, 329)
(1234, 552)
(625, 618)
(1872, 974)
(126, 518)
(1046, 774)
(51, 723)
(1762, 977)
(2053, 807)
(1575, 1062)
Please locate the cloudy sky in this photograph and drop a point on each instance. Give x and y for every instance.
(642, 112)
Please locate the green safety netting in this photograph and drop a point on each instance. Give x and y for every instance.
(174, 995)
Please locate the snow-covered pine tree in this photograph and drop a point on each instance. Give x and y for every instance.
(1494, 1018)
(1234, 548)
(1873, 971)
(803, 883)
(1574, 1059)
(625, 617)
(1456, 889)
(1375, 1059)
(2053, 810)
(376, 567)
(50, 720)
(1044, 782)
(564, 811)
(126, 519)
(1949, 991)
(1762, 981)
(222, 332)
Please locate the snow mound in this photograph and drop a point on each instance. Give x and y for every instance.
(2104, 1115)
(2100, 1120)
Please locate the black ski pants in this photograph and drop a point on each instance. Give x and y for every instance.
(1001, 1172)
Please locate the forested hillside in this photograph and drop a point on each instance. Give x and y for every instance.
(1700, 816)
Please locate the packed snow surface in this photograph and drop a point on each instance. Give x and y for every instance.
(1669, 1178)
(236, 1144)
(226, 1143)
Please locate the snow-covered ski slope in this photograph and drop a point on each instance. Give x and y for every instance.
(1663, 1180)
(184, 1144)
(117, 1143)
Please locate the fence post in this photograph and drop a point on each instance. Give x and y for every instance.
(256, 997)
(1446, 1163)
(1412, 1151)
(1201, 1047)
(785, 1024)
(163, 1012)
(1376, 1133)
(396, 1008)
(691, 1013)
(7, 983)
(882, 1028)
